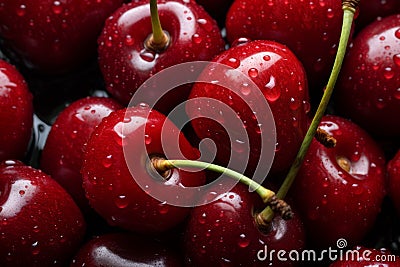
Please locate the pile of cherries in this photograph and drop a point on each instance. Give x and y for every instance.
(71, 194)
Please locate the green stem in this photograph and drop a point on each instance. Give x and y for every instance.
(159, 39)
(348, 17)
(164, 164)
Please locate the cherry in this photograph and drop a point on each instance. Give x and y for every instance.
(127, 60)
(126, 249)
(280, 78)
(62, 154)
(340, 188)
(54, 36)
(375, 9)
(117, 178)
(311, 29)
(224, 232)
(393, 170)
(16, 113)
(368, 89)
(368, 257)
(40, 223)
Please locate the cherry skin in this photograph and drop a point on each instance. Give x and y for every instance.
(340, 190)
(224, 232)
(40, 223)
(113, 189)
(369, 257)
(368, 89)
(126, 63)
(16, 113)
(125, 249)
(61, 157)
(279, 76)
(311, 29)
(54, 36)
(375, 9)
(393, 170)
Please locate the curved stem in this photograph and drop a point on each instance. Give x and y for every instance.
(348, 17)
(164, 164)
(159, 39)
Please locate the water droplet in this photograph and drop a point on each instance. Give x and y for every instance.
(396, 59)
(240, 41)
(380, 103)
(163, 208)
(253, 72)
(202, 219)
(205, 24)
(107, 162)
(147, 139)
(243, 241)
(294, 104)
(267, 57)
(35, 248)
(196, 38)
(382, 38)
(121, 201)
(57, 8)
(147, 55)
(245, 89)
(357, 189)
(129, 40)
(397, 33)
(306, 106)
(21, 10)
(233, 62)
(388, 73)
(36, 229)
(21, 192)
(329, 13)
(271, 92)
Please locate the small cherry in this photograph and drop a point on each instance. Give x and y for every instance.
(126, 249)
(53, 36)
(128, 56)
(40, 224)
(16, 113)
(61, 157)
(368, 89)
(119, 180)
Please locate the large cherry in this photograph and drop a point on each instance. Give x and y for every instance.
(311, 29)
(340, 188)
(61, 157)
(368, 89)
(393, 170)
(16, 113)
(126, 249)
(118, 179)
(40, 224)
(224, 232)
(54, 36)
(125, 59)
(279, 79)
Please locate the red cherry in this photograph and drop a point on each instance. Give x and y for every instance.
(393, 170)
(126, 138)
(368, 257)
(40, 223)
(368, 89)
(224, 232)
(125, 249)
(16, 113)
(340, 188)
(62, 154)
(280, 78)
(126, 63)
(54, 36)
(311, 29)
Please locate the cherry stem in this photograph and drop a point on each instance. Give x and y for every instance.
(158, 40)
(349, 8)
(162, 165)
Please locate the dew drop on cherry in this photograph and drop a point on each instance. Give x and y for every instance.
(21, 192)
(196, 38)
(245, 89)
(294, 104)
(253, 72)
(397, 33)
(107, 161)
(147, 55)
(397, 93)
(21, 11)
(57, 8)
(396, 59)
(243, 241)
(388, 73)
(202, 218)
(129, 40)
(271, 92)
(233, 62)
(121, 201)
(147, 139)
(163, 208)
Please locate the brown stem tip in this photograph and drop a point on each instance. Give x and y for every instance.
(350, 4)
(325, 138)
